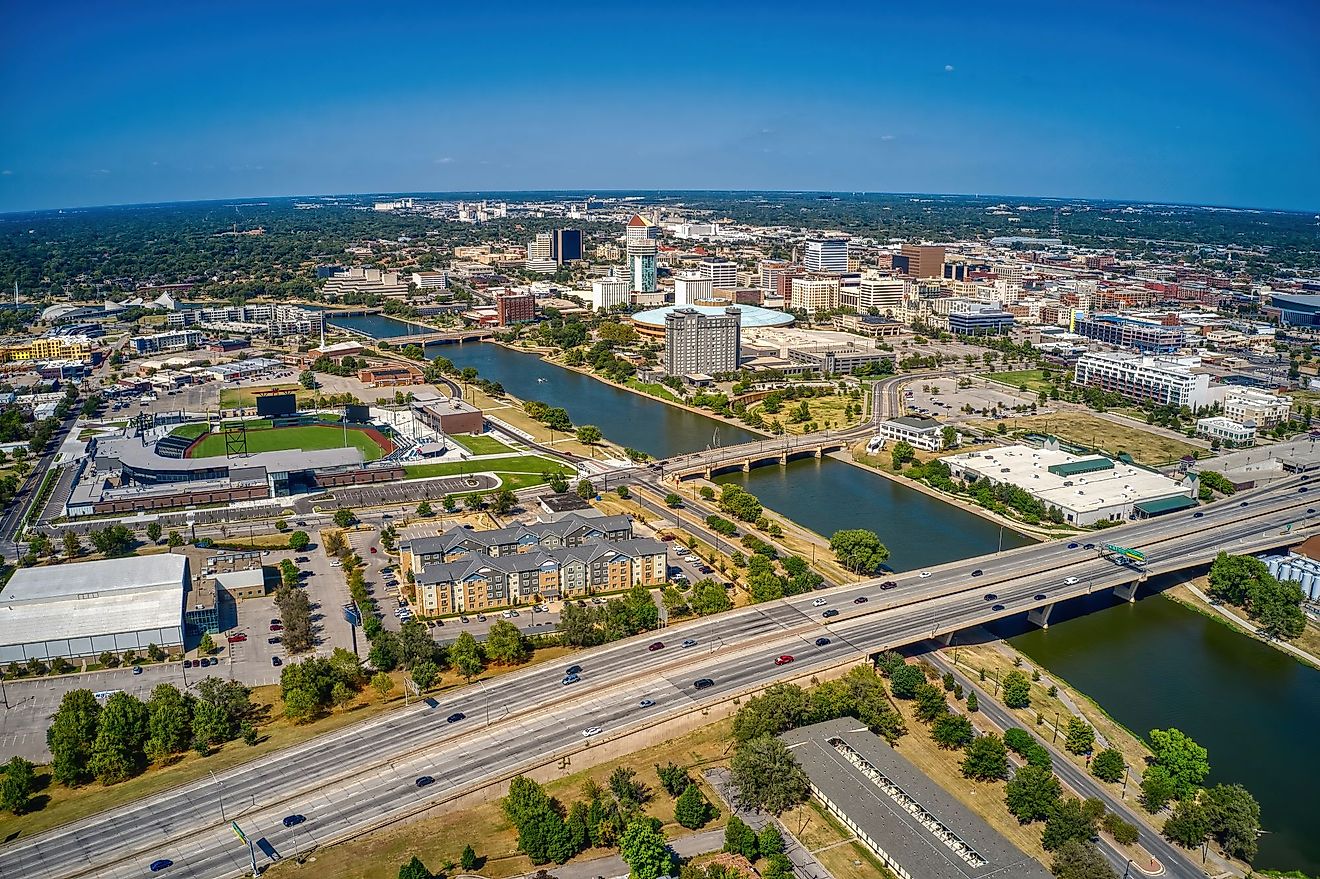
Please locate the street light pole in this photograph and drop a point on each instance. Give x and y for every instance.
(222, 795)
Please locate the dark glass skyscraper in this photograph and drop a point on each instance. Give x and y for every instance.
(566, 245)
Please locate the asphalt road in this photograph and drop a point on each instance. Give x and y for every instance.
(351, 777)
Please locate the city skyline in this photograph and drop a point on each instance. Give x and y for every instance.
(1181, 104)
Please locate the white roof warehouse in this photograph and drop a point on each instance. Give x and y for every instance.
(85, 608)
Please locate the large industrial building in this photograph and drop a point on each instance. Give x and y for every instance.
(87, 608)
(1086, 490)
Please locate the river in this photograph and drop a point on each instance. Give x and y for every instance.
(378, 326)
(1150, 664)
(1156, 664)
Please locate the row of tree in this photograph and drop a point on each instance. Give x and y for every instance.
(1245, 581)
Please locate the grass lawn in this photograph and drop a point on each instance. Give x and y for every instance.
(236, 398)
(439, 841)
(655, 389)
(480, 444)
(70, 804)
(1034, 379)
(826, 412)
(1085, 429)
(189, 431)
(305, 438)
(532, 464)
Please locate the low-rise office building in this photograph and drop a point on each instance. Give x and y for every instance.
(1226, 430)
(1085, 490)
(921, 433)
(170, 340)
(1127, 332)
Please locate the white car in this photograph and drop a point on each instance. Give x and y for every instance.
(591, 731)
(1070, 580)
(819, 602)
(925, 574)
(692, 560)
(508, 614)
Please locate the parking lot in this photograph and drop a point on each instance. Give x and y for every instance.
(944, 399)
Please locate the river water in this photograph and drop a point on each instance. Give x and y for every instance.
(377, 326)
(1150, 664)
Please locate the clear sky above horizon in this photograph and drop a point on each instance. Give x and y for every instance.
(1203, 102)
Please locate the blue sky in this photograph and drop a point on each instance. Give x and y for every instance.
(1208, 102)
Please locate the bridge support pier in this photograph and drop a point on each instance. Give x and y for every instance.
(1127, 591)
(946, 638)
(1040, 615)
(747, 466)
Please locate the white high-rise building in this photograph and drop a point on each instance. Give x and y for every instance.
(539, 247)
(1165, 381)
(690, 288)
(826, 255)
(642, 268)
(880, 292)
(722, 273)
(609, 292)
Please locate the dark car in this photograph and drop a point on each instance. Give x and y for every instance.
(276, 661)
(861, 599)
(821, 642)
(658, 645)
(889, 584)
(990, 596)
(997, 607)
(1073, 545)
(1243, 504)
(830, 613)
(275, 622)
(455, 717)
(1197, 515)
(978, 572)
(1310, 510)
(137, 669)
(1302, 490)
(163, 863)
(573, 670)
(702, 683)
(274, 640)
(424, 780)
(1089, 546)
(301, 558)
(1040, 596)
(293, 820)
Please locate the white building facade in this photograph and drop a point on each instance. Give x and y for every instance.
(1166, 381)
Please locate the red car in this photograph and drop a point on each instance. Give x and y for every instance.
(373, 550)
(658, 645)
(667, 538)
(276, 627)
(234, 639)
(784, 660)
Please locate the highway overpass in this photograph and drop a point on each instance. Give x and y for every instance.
(361, 777)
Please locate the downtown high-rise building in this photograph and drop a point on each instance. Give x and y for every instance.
(826, 255)
(720, 272)
(642, 245)
(566, 245)
(700, 343)
(920, 260)
(691, 288)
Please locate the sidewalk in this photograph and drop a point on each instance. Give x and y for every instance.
(805, 865)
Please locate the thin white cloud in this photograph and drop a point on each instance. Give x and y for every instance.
(948, 68)
(101, 171)
(886, 137)
(6, 173)
(444, 160)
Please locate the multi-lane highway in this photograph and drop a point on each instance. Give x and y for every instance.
(366, 773)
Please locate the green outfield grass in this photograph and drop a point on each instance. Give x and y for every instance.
(189, 431)
(307, 438)
(480, 444)
(512, 464)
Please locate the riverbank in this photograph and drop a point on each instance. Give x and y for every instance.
(1192, 595)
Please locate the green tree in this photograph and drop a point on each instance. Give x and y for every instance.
(586, 490)
(987, 758)
(502, 501)
(1189, 825)
(153, 532)
(588, 434)
(769, 842)
(1234, 818)
(383, 684)
(466, 657)
(767, 776)
(972, 705)
(1032, 793)
(1157, 788)
(906, 681)
(298, 541)
(424, 509)
(858, 550)
(739, 839)
(709, 597)
(114, 541)
(449, 502)
(344, 518)
(1016, 690)
(175, 540)
(307, 379)
(18, 785)
(468, 860)
(952, 731)
(424, 674)
(1077, 859)
(707, 493)
(505, 644)
(644, 850)
(691, 809)
(169, 721)
(121, 734)
(73, 546)
(673, 501)
(1122, 832)
(1186, 762)
(71, 735)
(1109, 765)
(1072, 819)
(207, 644)
(1080, 737)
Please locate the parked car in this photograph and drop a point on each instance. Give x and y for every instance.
(234, 639)
(276, 661)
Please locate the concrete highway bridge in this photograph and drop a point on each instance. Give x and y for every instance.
(775, 450)
(361, 777)
(439, 337)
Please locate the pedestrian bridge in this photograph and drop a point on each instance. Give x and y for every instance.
(779, 450)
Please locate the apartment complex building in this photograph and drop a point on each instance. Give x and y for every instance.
(170, 340)
(610, 292)
(699, 343)
(365, 280)
(1165, 381)
(464, 571)
(267, 319)
(826, 255)
(1265, 409)
(1127, 332)
(47, 348)
(874, 291)
(430, 280)
(514, 308)
(1226, 430)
